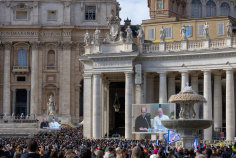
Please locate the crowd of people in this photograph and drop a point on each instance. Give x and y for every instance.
(69, 143)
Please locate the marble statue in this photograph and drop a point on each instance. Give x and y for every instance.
(141, 35)
(51, 106)
(107, 39)
(121, 37)
(229, 29)
(162, 34)
(113, 25)
(206, 31)
(87, 38)
(129, 35)
(96, 36)
(183, 32)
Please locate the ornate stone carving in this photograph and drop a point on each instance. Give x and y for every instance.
(183, 32)
(87, 38)
(51, 106)
(229, 29)
(107, 39)
(35, 45)
(206, 31)
(129, 35)
(22, 6)
(66, 45)
(96, 36)
(113, 25)
(162, 34)
(35, 4)
(8, 4)
(7, 45)
(141, 35)
(121, 37)
(66, 4)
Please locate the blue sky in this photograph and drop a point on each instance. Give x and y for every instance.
(136, 10)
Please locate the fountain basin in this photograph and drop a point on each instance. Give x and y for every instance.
(187, 124)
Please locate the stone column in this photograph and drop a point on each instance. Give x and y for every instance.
(230, 106)
(28, 101)
(13, 100)
(171, 89)
(217, 101)
(128, 104)
(105, 108)
(150, 88)
(184, 79)
(207, 111)
(235, 95)
(77, 103)
(67, 13)
(108, 107)
(96, 106)
(194, 84)
(87, 132)
(6, 79)
(34, 80)
(162, 88)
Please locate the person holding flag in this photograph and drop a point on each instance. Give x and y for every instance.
(195, 143)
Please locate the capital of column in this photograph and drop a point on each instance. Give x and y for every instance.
(162, 73)
(206, 72)
(87, 75)
(229, 71)
(184, 73)
(14, 90)
(218, 72)
(171, 74)
(27, 89)
(65, 45)
(128, 73)
(35, 45)
(7, 45)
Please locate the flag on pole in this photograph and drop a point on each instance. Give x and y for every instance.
(166, 137)
(157, 142)
(195, 143)
(173, 137)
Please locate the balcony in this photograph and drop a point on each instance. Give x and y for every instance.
(20, 70)
(50, 69)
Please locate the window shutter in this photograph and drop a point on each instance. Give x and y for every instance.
(190, 31)
(220, 29)
(151, 34)
(168, 32)
(200, 30)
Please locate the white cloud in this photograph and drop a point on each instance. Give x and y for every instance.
(136, 10)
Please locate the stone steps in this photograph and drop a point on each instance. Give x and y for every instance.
(19, 125)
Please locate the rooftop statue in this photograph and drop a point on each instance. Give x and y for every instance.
(141, 35)
(206, 31)
(229, 29)
(162, 34)
(96, 36)
(113, 25)
(183, 32)
(87, 38)
(129, 35)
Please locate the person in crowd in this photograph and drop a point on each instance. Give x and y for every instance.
(85, 153)
(226, 153)
(200, 156)
(192, 154)
(110, 153)
(53, 154)
(186, 153)
(154, 154)
(180, 152)
(33, 150)
(136, 152)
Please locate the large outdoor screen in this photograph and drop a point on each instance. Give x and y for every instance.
(52, 123)
(148, 117)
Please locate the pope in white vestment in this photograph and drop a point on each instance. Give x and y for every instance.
(157, 120)
(54, 125)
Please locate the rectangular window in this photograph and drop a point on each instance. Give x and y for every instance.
(21, 15)
(90, 13)
(20, 78)
(151, 34)
(220, 29)
(172, 6)
(183, 10)
(200, 29)
(52, 15)
(189, 31)
(168, 32)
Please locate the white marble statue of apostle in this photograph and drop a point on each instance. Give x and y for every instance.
(206, 31)
(129, 35)
(96, 36)
(229, 29)
(183, 32)
(51, 106)
(87, 38)
(141, 35)
(162, 34)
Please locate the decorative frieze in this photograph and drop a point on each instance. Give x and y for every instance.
(34, 33)
(112, 63)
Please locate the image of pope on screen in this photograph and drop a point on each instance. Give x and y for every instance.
(157, 125)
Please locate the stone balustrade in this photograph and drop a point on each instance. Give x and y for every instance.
(217, 43)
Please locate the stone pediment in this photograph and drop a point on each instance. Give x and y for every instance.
(21, 6)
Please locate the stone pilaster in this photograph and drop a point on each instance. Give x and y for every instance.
(171, 89)
(230, 106)
(87, 106)
(35, 13)
(77, 103)
(194, 84)
(128, 104)
(13, 100)
(7, 16)
(28, 101)
(108, 107)
(105, 108)
(96, 106)
(184, 79)
(162, 88)
(6, 79)
(217, 101)
(34, 79)
(67, 13)
(207, 111)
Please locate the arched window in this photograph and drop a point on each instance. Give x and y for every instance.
(196, 8)
(235, 11)
(224, 8)
(21, 58)
(51, 58)
(210, 8)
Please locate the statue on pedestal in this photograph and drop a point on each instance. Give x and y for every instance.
(113, 25)
(183, 32)
(206, 31)
(87, 38)
(129, 35)
(229, 29)
(96, 36)
(141, 35)
(51, 106)
(162, 34)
